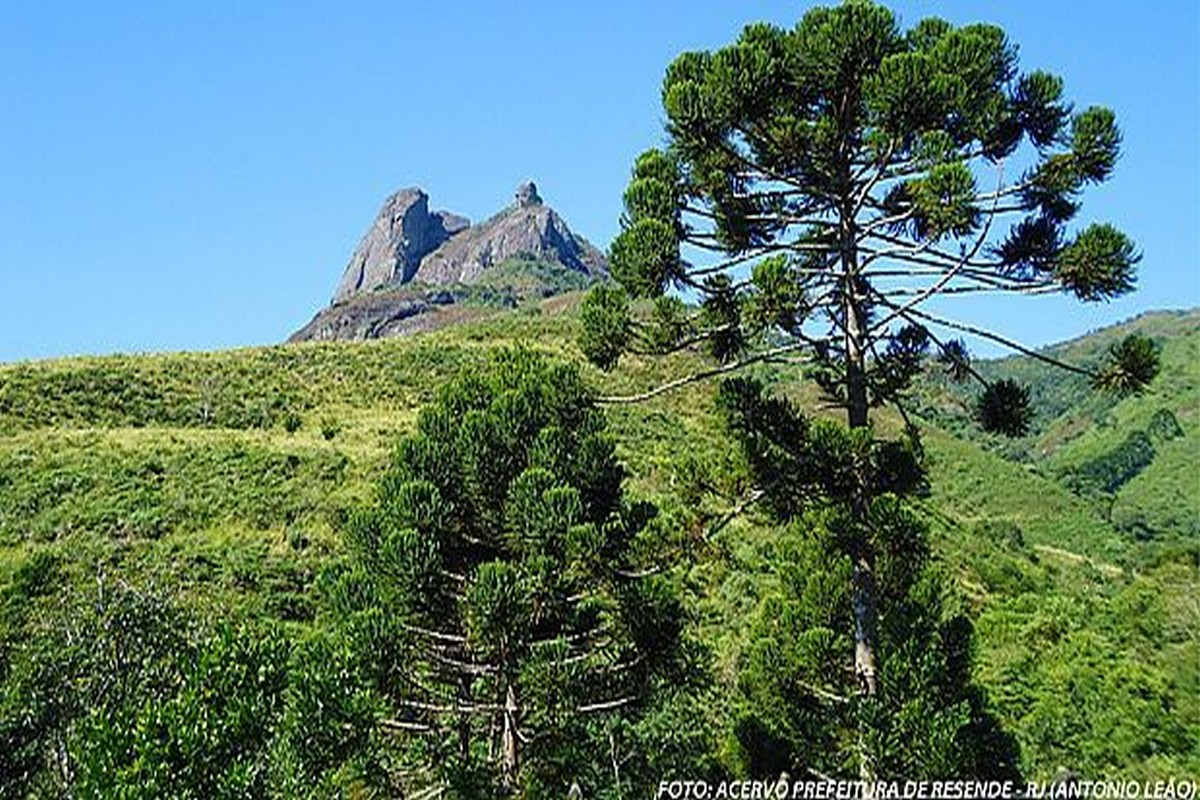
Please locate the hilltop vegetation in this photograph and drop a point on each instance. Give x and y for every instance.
(207, 494)
(1130, 456)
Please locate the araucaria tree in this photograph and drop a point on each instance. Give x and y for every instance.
(499, 591)
(820, 188)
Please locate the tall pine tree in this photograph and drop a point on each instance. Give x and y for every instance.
(820, 187)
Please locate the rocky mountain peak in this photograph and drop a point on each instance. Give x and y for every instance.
(413, 261)
(527, 195)
(528, 230)
(403, 232)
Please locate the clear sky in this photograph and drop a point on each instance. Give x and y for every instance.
(194, 175)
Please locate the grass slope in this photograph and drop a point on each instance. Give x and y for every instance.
(225, 478)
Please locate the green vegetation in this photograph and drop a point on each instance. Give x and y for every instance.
(506, 593)
(531, 277)
(470, 565)
(1130, 458)
(927, 719)
(1085, 631)
(820, 187)
(510, 284)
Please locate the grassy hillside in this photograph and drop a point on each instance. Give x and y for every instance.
(1132, 457)
(225, 479)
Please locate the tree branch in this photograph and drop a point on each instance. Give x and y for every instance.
(945, 279)
(401, 725)
(467, 667)
(879, 173)
(994, 337)
(951, 258)
(734, 513)
(436, 635)
(965, 364)
(701, 375)
(605, 706)
(458, 708)
(1030, 290)
(824, 694)
(641, 573)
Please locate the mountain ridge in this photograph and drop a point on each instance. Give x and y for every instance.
(413, 263)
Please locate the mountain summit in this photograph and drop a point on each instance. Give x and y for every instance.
(528, 229)
(413, 262)
(404, 232)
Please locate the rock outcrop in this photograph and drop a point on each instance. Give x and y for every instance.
(376, 315)
(403, 233)
(413, 263)
(527, 229)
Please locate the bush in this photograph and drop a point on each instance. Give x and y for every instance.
(1003, 532)
(1114, 469)
(330, 428)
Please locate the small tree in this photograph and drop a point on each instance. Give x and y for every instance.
(820, 187)
(498, 584)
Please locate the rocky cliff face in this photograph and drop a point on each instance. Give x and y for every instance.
(527, 229)
(413, 263)
(403, 233)
(377, 315)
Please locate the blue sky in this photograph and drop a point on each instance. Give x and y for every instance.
(194, 175)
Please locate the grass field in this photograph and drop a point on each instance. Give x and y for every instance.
(225, 479)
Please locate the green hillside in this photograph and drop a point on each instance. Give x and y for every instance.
(1133, 457)
(224, 481)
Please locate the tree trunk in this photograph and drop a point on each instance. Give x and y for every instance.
(863, 588)
(863, 578)
(464, 720)
(509, 747)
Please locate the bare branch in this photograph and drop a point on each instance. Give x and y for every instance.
(950, 258)
(458, 708)
(623, 666)
(734, 513)
(436, 635)
(869, 228)
(401, 725)
(1006, 191)
(467, 667)
(605, 706)
(994, 337)
(879, 173)
(429, 793)
(982, 272)
(702, 241)
(824, 694)
(904, 253)
(702, 375)
(1047, 288)
(572, 639)
(789, 219)
(928, 292)
(635, 575)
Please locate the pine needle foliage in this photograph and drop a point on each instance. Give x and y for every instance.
(508, 587)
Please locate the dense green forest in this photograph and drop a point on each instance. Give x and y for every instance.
(748, 509)
(179, 614)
